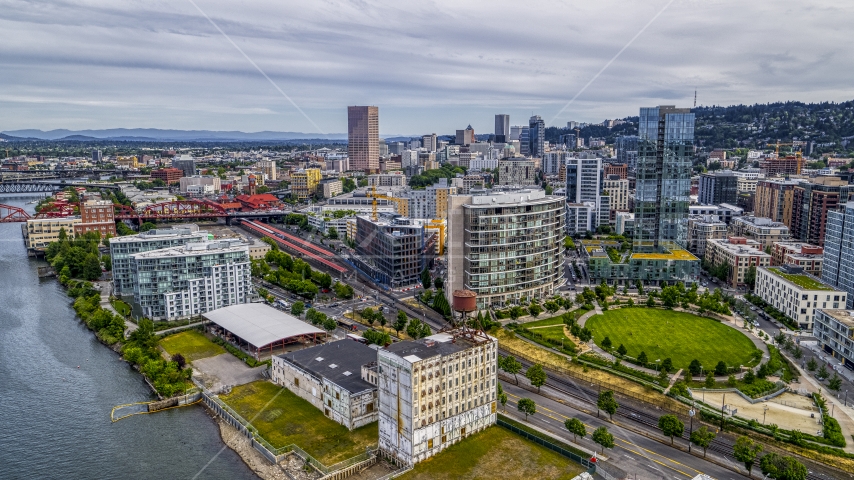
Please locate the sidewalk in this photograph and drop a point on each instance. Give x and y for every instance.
(106, 289)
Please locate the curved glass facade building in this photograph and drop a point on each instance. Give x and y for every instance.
(506, 245)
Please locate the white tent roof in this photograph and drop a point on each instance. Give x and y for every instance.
(259, 324)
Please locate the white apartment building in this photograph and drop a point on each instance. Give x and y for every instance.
(432, 202)
(409, 158)
(618, 190)
(763, 230)
(192, 279)
(835, 330)
(40, 232)
(746, 185)
(122, 249)
(213, 183)
(268, 168)
(330, 187)
(701, 229)
(387, 180)
(338, 378)
(796, 294)
(553, 162)
(481, 163)
(435, 392)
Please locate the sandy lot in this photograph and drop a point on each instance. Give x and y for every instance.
(788, 411)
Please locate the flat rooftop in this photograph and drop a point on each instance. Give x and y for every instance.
(802, 280)
(438, 344)
(340, 362)
(674, 254)
(845, 317)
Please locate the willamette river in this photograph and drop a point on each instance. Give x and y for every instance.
(55, 417)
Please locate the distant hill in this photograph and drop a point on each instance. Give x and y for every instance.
(154, 134)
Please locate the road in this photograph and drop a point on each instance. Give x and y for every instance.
(639, 456)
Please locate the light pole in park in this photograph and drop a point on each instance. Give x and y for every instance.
(691, 413)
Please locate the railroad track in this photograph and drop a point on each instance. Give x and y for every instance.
(590, 396)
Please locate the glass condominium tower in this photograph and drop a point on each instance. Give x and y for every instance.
(665, 147)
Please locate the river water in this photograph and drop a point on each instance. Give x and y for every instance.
(58, 385)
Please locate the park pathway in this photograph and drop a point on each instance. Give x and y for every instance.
(106, 289)
(672, 381)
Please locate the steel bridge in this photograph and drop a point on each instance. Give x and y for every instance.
(32, 186)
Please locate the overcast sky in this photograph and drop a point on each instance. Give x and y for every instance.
(430, 66)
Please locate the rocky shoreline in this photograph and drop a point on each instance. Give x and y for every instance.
(289, 469)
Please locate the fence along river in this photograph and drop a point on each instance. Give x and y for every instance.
(55, 417)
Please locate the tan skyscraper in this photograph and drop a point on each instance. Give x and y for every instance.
(363, 138)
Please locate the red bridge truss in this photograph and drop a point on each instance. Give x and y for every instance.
(9, 214)
(176, 209)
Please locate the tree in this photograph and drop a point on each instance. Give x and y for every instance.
(750, 277)
(667, 364)
(536, 375)
(604, 438)
(834, 383)
(781, 467)
(400, 322)
(745, 451)
(376, 337)
(812, 365)
(710, 380)
(695, 367)
(438, 282)
(91, 267)
(180, 360)
(576, 427)
(702, 437)
(332, 233)
(720, 368)
(822, 372)
(671, 426)
(417, 329)
(330, 324)
(551, 306)
(606, 343)
(425, 278)
(297, 308)
(650, 302)
(608, 403)
(146, 226)
(731, 381)
(621, 350)
(749, 377)
(526, 406)
(510, 365)
(502, 397)
(642, 358)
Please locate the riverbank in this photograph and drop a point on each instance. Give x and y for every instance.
(257, 462)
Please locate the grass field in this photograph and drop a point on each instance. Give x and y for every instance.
(495, 453)
(290, 419)
(192, 344)
(121, 307)
(681, 336)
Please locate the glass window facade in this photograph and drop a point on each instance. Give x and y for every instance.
(665, 147)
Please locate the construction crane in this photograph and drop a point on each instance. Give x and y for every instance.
(402, 203)
(438, 224)
(798, 156)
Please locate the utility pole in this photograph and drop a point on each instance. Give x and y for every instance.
(723, 404)
(691, 428)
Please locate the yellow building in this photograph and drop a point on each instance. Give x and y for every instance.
(40, 232)
(304, 182)
(127, 162)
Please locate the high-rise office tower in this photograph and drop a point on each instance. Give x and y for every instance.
(718, 187)
(525, 141)
(536, 136)
(97, 156)
(837, 267)
(363, 138)
(666, 136)
(627, 150)
(502, 128)
(516, 133)
(430, 142)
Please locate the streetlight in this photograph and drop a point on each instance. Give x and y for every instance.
(691, 413)
(764, 412)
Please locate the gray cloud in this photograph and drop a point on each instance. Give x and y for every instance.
(430, 66)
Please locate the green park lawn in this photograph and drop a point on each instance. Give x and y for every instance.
(681, 336)
(121, 307)
(495, 453)
(192, 344)
(288, 419)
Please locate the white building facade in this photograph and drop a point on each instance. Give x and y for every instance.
(435, 392)
(796, 294)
